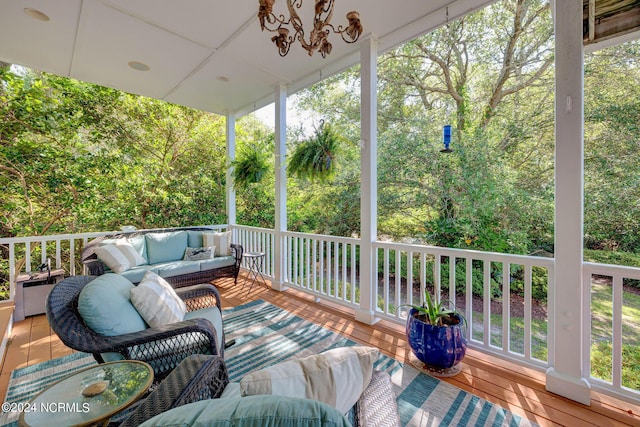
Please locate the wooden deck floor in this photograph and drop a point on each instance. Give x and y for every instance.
(518, 389)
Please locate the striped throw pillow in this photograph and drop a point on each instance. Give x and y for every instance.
(221, 241)
(336, 377)
(119, 257)
(157, 302)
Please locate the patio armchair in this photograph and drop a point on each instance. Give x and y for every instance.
(163, 347)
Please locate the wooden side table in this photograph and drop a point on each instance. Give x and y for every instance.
(90, 396)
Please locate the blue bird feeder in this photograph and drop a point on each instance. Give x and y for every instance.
(446, 139)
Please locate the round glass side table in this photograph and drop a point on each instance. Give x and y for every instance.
(90, 396)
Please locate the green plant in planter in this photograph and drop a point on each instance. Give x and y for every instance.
(249, 167)
(436, 336)
(437, 313)
(315, 158)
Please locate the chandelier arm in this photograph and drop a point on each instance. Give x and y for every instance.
(273, 23)
(324, 7)
(294, 18)
(342, 30)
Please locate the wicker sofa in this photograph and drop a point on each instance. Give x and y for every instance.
(163, 250)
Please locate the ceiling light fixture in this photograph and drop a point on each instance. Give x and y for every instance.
(138, 66)
(36, 14)
(322, 27)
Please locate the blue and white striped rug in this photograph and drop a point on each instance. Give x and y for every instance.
(265, 335)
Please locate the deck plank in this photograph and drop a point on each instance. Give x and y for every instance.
(516, 388)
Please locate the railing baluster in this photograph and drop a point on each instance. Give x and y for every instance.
(617, 331)
(506, 306)
(409, 280)
(527, 311)
(486, 308)
(12, 271)
(43, 251)
(436, 277)
(58, 253)
(353, 273)
(423, 276)
(344, 271)
(321, 254)
(27, 257)
(452, 280)
(294, 279)
(385, 302)
(72, 258)
(398, 284)
(336, 268)
(469, 296)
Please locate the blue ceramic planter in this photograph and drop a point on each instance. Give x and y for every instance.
(438, 347)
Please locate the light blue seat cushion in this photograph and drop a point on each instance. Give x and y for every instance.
(217, 262)
(252, 411)
(213, 315)
(135, 274)
(162, 356)
(176, 268)
(195, 239)
(105, 306)
(165, 247)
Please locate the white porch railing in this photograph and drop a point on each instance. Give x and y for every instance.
(254, 239)
(498, 321)
(613, 334)
(512, 325)
(64, 250)
(324, 266)
(328, 268)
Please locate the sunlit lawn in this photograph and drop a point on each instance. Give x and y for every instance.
(601, 336)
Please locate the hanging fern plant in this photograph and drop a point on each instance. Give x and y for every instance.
(314, 158)
(249, 167)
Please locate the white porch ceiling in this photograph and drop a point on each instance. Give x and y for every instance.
(205, 54)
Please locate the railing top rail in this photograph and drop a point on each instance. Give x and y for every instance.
(19, 239)
(250, 227)
(612, 269)
(322, 237)
(468, 253)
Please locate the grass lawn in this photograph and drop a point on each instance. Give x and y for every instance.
(601, 335)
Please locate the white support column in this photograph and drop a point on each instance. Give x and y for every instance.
(231, 155)
(280, 187)
(569, 371)
(369, 180)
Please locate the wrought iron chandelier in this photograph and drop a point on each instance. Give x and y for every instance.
(322, 27)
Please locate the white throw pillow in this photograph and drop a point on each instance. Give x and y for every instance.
(199, 254)
(336, 377)
(157, 302)
(120, 256)
(221, 241)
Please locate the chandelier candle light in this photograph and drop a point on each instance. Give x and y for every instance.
(322, 27)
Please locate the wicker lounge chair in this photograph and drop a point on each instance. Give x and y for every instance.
(163, 347)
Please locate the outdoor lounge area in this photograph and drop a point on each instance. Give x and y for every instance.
(543, 335)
